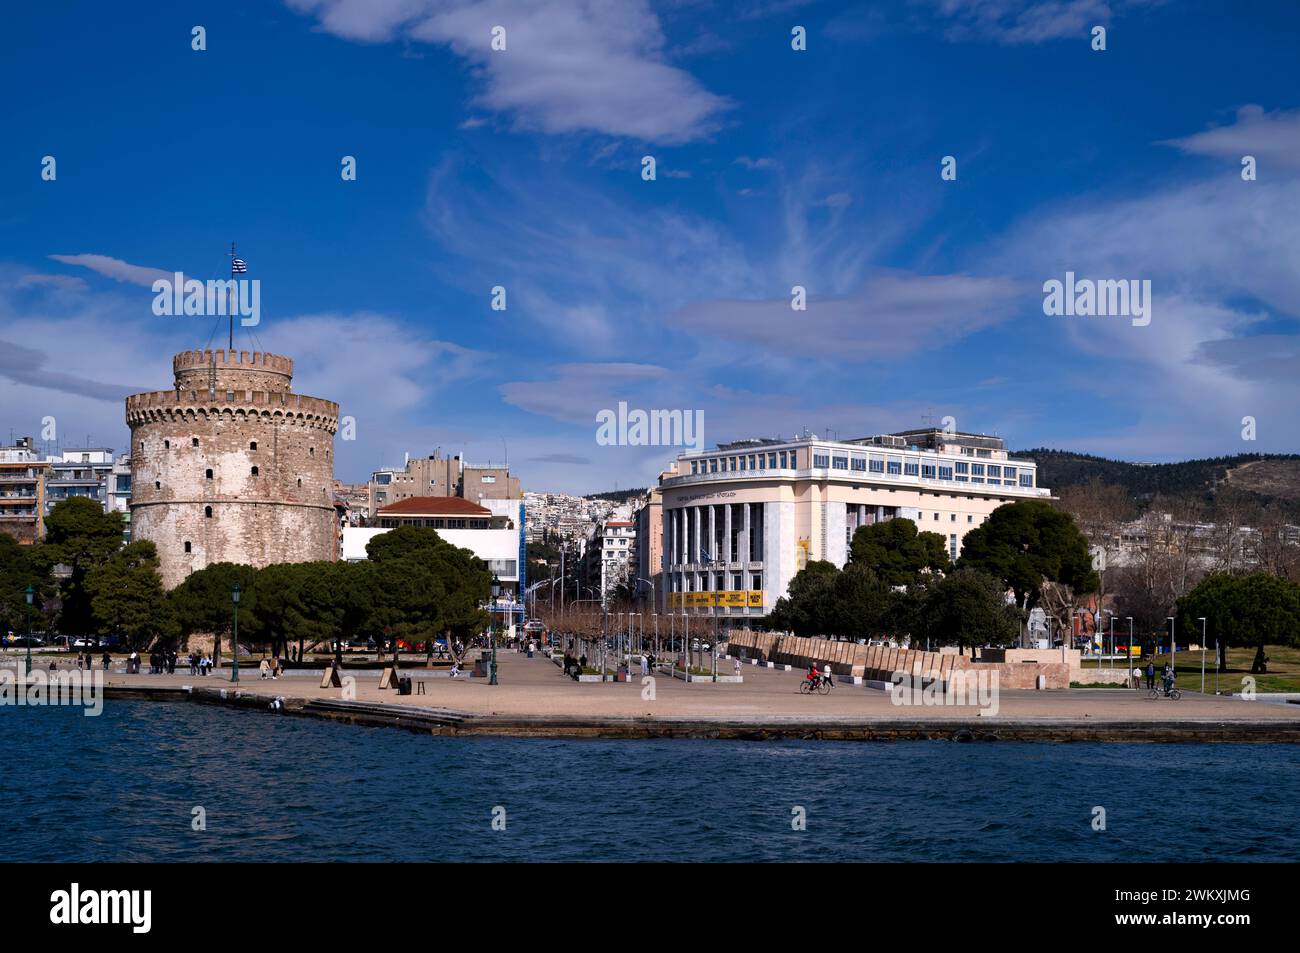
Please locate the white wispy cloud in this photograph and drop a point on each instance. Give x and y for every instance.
(1272, 138)
(116, 269)
(569, 66)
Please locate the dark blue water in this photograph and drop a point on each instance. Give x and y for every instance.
(122, 787)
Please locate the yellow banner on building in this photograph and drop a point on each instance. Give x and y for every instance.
(755, 598)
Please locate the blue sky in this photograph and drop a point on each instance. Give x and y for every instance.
(522, 168)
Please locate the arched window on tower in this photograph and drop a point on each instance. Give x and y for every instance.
(187, 545)
(207, 474)
(254, 471)
(207, 512)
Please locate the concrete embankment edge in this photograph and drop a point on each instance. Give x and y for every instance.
(445, 722)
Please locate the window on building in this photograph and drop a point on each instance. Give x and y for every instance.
(771, 461)
(187, 545)
(207, 512)
(936, 517)
(167, 444)
(963, 467)
(207, 474)
(952, 547)
(713, 465)
(859, 464)
(742, 463)
(927, 471)
(977, 469)
(311, 451)
(840, 463)
(911, 468)
(194, 441)
(945, 473)
(1026, 479)
(254, 471)
(252, 445)
(895, 467)
(994, 471)
(695, 467)
(877, 465)
(821, 460)
(1009, 472)
(157, 485)
(783, 461)
(970, 518)
(300, 481)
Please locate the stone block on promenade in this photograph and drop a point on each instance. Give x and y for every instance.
(945, 666)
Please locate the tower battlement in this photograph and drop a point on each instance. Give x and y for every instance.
(262, 360)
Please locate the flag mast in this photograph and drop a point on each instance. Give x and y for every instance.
(237, 266)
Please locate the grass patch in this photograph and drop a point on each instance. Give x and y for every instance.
(1283, 669)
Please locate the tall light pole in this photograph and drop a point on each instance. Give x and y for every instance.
(492, 616)
(1173, 646)
(1202, 621)
(234, 638)
(1112, 635)
(29, 592)
(1129, 660)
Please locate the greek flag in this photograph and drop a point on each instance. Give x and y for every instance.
(237, 266)
(708, 556)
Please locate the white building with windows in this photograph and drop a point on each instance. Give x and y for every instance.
(610, 559)
(739, 521)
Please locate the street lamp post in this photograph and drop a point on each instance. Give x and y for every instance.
(29, 592)
(1173, 646)
(234, 638)
(1129, 659)
(1202, 621)
(492, 633)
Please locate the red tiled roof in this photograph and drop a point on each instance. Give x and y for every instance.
(434, 506)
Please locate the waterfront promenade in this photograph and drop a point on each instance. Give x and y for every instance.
(536, 691)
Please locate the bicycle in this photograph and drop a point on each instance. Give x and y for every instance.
(1173, 693)
(822, 686)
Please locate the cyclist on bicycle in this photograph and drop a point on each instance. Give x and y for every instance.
(1169, 679)
(812, 673)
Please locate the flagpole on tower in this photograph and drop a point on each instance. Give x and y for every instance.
(230, 310)
(237, 267)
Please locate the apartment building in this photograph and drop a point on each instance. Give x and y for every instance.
(22, 491)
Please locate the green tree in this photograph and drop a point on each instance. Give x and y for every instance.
(80, 536)
(203, 604)
(802, 610)
(1026, 544)
(20, 567)
(424, 586)
(127, 597)
(1243, 611)
(897, 553)
(967, 608)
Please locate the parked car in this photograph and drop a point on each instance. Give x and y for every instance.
(86, 642)
(35, 641)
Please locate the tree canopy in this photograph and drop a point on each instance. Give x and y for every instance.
(896, 553)
(1026, 544)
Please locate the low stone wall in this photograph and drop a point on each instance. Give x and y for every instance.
(880, 662)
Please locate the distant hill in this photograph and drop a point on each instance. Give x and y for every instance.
(619, 496)
(1266, 476)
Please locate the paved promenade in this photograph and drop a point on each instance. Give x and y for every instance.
(535, 688)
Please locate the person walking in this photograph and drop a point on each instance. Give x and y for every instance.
(1151, 675)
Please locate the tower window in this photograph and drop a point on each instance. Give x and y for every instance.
(300, 481)
(207, 512)
(311, 451)
(187, 545)
(194, 441)
(157, 484)
(142, 446)
(254, 471)
(252, 445)
(208, 474)
(167, 444)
